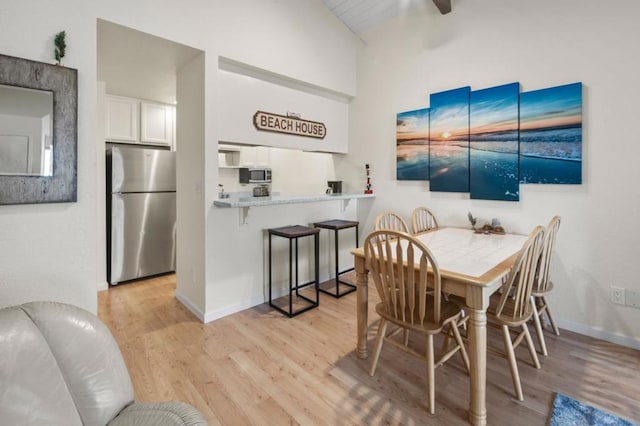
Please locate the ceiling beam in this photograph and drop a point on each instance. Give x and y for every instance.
(444, 6)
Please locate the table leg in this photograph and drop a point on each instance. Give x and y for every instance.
(362, 305)
(478, 364)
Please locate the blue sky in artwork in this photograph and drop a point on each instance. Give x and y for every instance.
(412, 125)
(551, 107)
(450, 114)
(495, 109)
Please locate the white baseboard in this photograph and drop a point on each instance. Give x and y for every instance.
(103, 286)
(599, 333)
(228, 310)
(258, 300)
(190, 306)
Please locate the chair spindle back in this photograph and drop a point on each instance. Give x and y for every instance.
(544, 265)
(519, 283)
(404, 272)
(390, 220)
(422, 219)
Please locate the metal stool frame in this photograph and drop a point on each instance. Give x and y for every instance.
(294, 233)
(336, 225)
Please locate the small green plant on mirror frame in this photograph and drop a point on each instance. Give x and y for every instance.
(60, 46)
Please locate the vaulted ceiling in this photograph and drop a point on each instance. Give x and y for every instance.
(360, 15)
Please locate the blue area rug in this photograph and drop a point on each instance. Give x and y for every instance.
(569, 412)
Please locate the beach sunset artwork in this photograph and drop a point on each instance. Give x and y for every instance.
(551, 135)
(449, 141)
(493, 134)
(412, 145)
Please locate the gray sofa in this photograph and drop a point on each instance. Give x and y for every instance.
(60, 365)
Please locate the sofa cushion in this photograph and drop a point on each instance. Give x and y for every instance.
(88, 357)
(32, 387)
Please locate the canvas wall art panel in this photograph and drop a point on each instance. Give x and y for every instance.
(449, 141)
(493, 136)
(412, 145)
(551, 135)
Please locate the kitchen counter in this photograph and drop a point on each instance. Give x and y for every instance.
(249, 201)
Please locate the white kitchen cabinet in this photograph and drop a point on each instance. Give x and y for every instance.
(121, 121)
(137, 121)
(254, 156)
(156, 123)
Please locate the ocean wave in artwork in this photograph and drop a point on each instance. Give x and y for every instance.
(570, 151)
(507, 147)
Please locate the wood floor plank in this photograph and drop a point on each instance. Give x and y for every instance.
(258, 367)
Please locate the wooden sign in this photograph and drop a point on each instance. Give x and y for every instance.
(288, 124)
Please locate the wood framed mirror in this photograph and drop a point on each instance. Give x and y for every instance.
(38, 145)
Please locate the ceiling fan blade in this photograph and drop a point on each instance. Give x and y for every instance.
(444, 6)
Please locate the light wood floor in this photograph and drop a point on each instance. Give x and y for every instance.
(259, 367)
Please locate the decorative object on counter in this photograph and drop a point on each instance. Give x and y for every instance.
(335, 186)
(290, 124)
(222, 194)
(368, 188)
(60, 47)
(261, 191)
(472, 220)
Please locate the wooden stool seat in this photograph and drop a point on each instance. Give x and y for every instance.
(292, 233)
(295, 231)
(336, 225)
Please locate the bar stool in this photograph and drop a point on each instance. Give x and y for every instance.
(336, 225)
(294, 233)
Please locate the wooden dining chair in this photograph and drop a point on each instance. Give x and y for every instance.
(407, 278)
(422, 219)
(390, 220)
(543, 285)
(510, 308)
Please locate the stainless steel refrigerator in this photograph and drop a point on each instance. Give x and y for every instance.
(141, 213)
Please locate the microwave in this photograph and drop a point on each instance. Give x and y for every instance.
(255, 175)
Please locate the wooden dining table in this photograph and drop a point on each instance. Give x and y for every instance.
(472, 266)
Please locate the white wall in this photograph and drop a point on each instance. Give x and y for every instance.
(242, 95)
(300, 39)
(48, 251)
(294, 38)
(190, 183)
(540, 44)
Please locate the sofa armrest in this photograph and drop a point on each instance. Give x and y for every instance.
(159, 414)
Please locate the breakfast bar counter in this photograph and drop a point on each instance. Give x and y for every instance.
(248, 201)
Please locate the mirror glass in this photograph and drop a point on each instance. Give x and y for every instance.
(26, 131)
(38, 132)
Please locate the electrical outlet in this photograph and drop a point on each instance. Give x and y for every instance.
(616, 294)
(632, 298)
